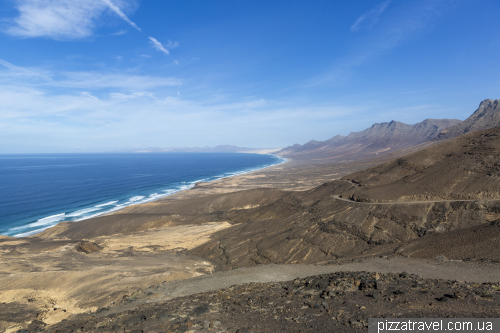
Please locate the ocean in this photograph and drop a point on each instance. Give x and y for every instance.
(37, 191)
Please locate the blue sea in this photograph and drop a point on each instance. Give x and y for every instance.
(38, 191)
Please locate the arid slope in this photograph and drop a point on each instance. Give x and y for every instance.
(316, 226)
(486, 116)
(467, 167)
(379, 139)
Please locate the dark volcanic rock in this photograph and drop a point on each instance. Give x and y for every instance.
(87, 247)
(297, 306)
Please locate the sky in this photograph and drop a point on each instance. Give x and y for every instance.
(105, 75)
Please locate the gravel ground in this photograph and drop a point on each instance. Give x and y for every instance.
(335, 302)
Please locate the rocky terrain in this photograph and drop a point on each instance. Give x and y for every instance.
(337, 302)
(467, 167)
(434, 213)
(379, 139)
(486, 116)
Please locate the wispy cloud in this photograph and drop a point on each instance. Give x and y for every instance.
(158, 45)
(69, 19)
(403, 24)
(120, 13)
(21, 71)
(86, 93)
(106, 110)
(58, 19)
(84, 80)
(61, 19)
(371, 17)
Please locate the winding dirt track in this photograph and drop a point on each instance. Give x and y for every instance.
(337, 197)
(432, 269)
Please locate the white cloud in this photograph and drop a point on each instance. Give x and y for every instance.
(62, 19)
(119, 12)
(158, 45)
(59, 19)
(16, 75)
(16, 71)
(95, 80)
(85, 93)
(106, 111)
(371, 17)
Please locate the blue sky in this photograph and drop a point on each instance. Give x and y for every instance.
(101, 75)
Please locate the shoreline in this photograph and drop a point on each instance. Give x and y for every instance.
(189, 186)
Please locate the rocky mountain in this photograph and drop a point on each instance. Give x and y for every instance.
(464, 168)
(381, 138)
(451, 186)
(486, 116)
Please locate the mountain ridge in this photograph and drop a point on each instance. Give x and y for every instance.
(380, 138)
(486, 116)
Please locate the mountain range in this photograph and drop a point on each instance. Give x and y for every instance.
(388, 137)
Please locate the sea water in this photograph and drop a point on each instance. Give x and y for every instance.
(38, 191)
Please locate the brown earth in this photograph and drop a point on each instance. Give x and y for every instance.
(467, 167)
(336, 302)
(279, 215)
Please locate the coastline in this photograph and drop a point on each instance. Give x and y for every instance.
(53, 220)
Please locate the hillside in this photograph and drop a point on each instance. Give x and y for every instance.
(467, 167)
(324, 224)
(381, 138)
(486, 116)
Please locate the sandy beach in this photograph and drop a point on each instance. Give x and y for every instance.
(47, 277)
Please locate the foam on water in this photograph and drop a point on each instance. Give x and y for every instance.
(88, 212)
(48, 220)
(107, 203)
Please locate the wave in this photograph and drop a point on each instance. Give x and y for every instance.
(83, 211)
(107, 203)
(112, 206)
(48, 220)
(32, 232)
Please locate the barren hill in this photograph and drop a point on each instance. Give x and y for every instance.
(453, 185)
(379, 139)
(486, 116)
(467, 167)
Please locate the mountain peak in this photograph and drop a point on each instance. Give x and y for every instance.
(380, 138)
(486, 116)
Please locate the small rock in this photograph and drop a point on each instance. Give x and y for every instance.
(200, 310)
(243, 330)
(376, 295)
(441, 257)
